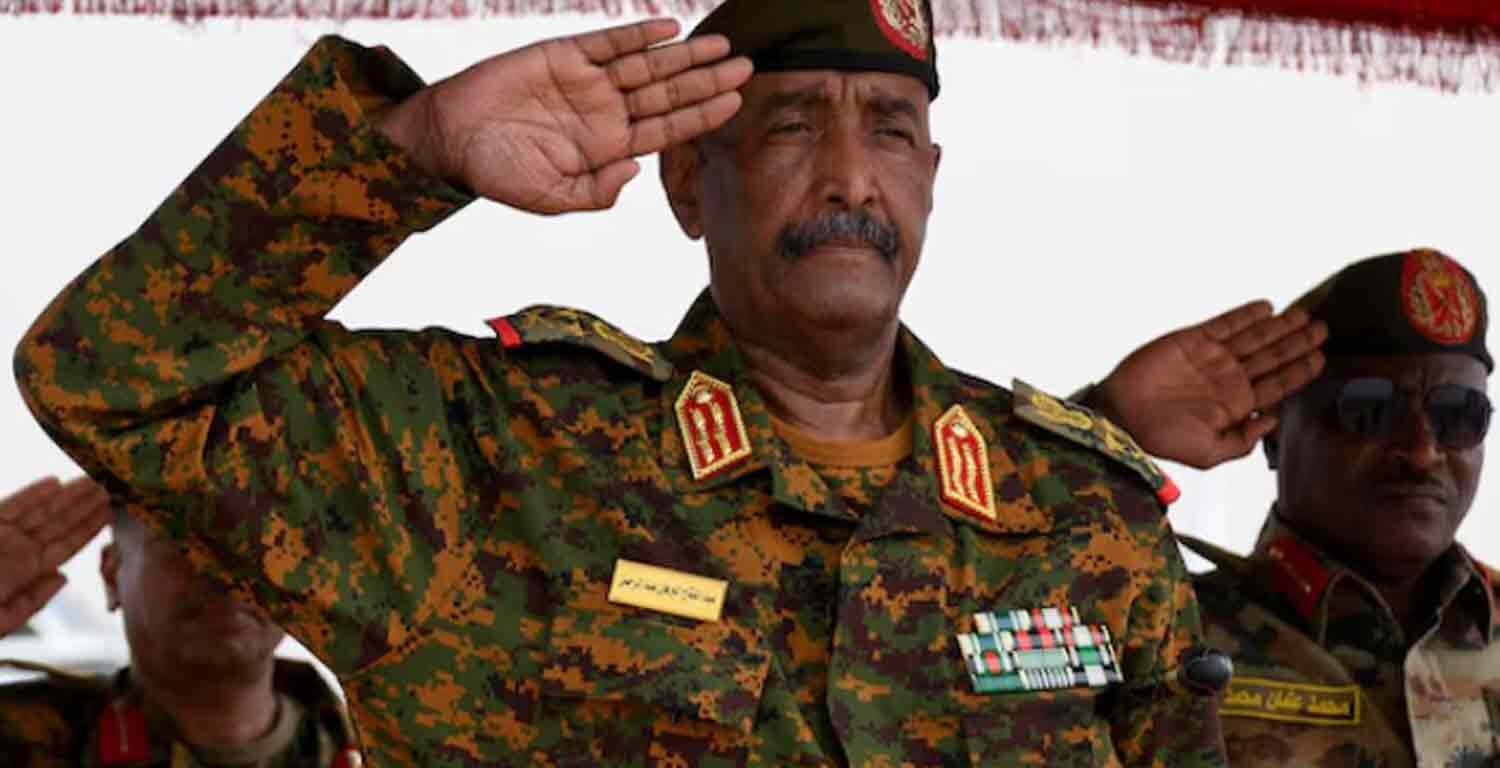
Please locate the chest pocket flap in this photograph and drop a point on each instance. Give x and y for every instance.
(713, 671)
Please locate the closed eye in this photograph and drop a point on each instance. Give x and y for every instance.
(898, 133)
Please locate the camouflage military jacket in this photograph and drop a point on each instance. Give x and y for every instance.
(1324, 675)
(442, 518)
(96, 722)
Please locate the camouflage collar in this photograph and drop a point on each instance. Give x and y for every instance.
(703, 343)
(1316, 585)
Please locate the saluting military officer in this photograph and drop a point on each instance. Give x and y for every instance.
(1362, 633)
(789, 535)
(203, 688)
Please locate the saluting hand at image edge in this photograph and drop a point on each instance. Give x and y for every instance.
(41, 527)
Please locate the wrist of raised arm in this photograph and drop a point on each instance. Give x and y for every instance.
(342, 94)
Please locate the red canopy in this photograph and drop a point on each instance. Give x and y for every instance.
(1449, 44)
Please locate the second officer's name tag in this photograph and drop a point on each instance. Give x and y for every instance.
(668, 591)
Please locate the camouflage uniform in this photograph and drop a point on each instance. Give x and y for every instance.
(1304, 629)
(94, 722)
(440, 517)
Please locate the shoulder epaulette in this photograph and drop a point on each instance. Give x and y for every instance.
(54, 675)
(1081, 425)
(543, 324)
(1490, 575)
(1222, 558)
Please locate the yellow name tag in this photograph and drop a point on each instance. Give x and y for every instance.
(1291, 702)
(668, 591)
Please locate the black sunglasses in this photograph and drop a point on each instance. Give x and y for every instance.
(1375, 408)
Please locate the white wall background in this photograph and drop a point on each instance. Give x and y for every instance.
(1087, 201)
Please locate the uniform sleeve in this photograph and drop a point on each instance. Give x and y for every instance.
(320, 472)
(44, 725)
(1157, 721)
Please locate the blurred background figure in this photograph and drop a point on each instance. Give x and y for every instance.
(203, 688)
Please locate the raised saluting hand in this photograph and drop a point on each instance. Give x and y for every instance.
(554, 127)
(1205, 394)
(41, 526)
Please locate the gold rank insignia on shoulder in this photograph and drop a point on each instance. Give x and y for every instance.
(1263, 699)
(713, 433)
(543, 324)
(1081, 425)
(963, 465)
(1040, 649)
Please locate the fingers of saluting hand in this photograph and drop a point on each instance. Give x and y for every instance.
(656, 65)
(688, 88)
(1296, 342)
(57, 519)
(1267, 332)
(651, 135)
(1236, 320)
(657, 133)
(79, 502)
(1273, 387)
(606, 45)
(25, 603)
(23, 505)
(65, 542)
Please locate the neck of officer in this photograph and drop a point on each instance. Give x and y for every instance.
(1406, 586)
(837, 387)
(1409, 594)
(214, 708)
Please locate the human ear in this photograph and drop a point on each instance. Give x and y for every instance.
(680, 165)
(109, 570)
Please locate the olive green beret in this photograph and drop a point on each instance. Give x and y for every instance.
(874, 35)
(1412, 302)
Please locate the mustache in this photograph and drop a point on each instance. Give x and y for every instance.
(842, 228)
(1404, 478)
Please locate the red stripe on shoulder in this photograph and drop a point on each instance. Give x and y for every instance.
(1168, 493)
(510, 338)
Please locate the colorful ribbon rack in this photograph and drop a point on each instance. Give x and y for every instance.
(1038, 650)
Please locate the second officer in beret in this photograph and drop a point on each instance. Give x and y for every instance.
(1362, 633)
